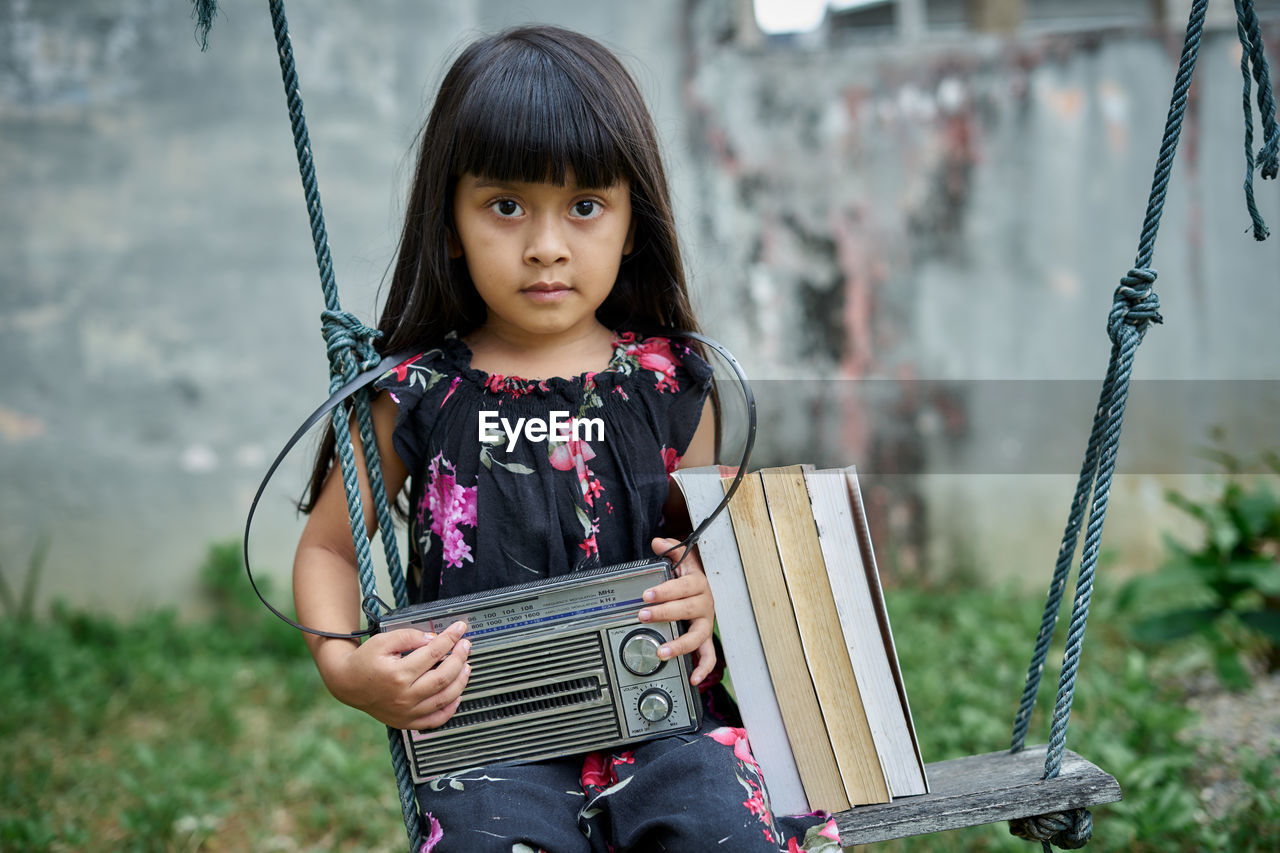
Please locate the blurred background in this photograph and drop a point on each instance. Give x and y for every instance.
(907, 218)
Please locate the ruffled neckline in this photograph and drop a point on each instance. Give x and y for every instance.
(459, 355)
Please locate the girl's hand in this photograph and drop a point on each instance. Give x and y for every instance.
(406, 679)
(685, 598)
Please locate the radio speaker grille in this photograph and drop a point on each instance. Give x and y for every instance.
(525, 701)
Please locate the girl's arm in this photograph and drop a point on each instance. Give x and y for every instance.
(688, 597)
(405, 678)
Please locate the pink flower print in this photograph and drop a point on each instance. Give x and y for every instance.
(670, 460)
(434, 833)
(655, 354)
(755, 803)
(749, 775)
(589, 545)
(574, 453)
(497, 383)
(402, 369)
(829, 830)
(597, 772)
(737, 738)
(626, 339)
(449, 393)
(450, 506)
(625, 757)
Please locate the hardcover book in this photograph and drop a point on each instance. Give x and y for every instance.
(806, 636)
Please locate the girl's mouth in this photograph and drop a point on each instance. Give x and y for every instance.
(547, 291)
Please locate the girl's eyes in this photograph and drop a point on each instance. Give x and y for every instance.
(506, 208)
(587, 208)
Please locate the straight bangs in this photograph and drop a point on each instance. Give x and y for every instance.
(526, 116)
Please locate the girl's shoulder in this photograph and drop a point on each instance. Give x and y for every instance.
(670, 361)
(423, 372)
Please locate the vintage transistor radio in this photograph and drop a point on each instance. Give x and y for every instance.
(559, 666)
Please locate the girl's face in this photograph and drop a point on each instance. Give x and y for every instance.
(543, 257)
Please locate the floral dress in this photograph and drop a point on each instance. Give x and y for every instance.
(512, 480)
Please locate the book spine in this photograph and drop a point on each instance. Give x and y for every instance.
(839, 698)
(740, 639)
(784, 653)
(863, 532)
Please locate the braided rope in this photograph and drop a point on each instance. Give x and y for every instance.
(1069, 829)
(1134, 308)
(349, 344)
(1253, 57)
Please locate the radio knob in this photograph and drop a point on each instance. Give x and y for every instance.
(640, 651)
(655, 705)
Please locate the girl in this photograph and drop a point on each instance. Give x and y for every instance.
(537, 244)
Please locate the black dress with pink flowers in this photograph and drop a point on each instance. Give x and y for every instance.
(491, 509)
(494, 505)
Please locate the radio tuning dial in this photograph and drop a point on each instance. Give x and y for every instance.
(640, 651)
(655, 705)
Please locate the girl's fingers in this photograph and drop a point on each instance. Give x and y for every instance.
(438, 648)
(667, 548)
(434, 719)
(689, 586)
(699, 632)
(681, 599)
(440, 693)
(706, 662)
(680, 610)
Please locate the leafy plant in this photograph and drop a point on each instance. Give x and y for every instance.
(22, 606)
(240, 620)
(1228, 588)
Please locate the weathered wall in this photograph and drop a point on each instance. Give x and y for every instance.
(936, 229)
(159, 302)
(852, 210)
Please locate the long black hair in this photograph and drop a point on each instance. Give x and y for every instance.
(532, 104)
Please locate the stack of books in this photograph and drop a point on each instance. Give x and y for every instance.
(806, 636)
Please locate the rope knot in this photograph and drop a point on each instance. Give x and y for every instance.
(1069, 830)
(1136, 304)
(344, 333)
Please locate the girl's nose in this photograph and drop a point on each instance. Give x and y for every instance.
(547, 244)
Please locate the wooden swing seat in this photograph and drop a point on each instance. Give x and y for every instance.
(980, 789)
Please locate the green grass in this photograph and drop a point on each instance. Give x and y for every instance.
(964, 654)
(159, 735)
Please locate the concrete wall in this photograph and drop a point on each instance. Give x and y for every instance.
(159, 304)
(853, 210)
(916, 242)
